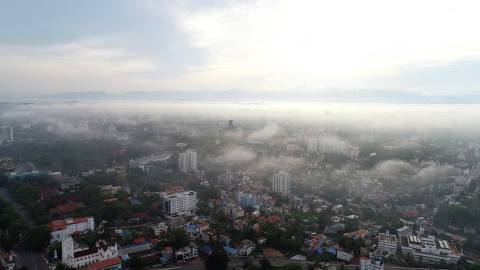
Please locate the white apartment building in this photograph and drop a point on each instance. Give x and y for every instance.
(187, 161)
(180, 203)
(428, 249)
(59, 229)
(281, 183)
(77, 256)
(387, 243)
(331, 144)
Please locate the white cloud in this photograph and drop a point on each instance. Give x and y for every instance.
(284, 44)
(83, 65)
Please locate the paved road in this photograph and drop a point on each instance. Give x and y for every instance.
(18, 208)
(25, 258)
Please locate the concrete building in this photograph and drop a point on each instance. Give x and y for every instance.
(281, 183)
(404, 231)
(187, 161)
(373, 263)
(6, 134)
(387, 243)
(59, 229)
(330, 144)
(428, 249)
(180, 203)
(144, 163)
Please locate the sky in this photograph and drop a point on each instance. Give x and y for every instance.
(430, 47)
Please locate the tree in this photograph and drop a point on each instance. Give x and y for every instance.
(218, 260)
(178, 238)
(265, 264)
(37, 238)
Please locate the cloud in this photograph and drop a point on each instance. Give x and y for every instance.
(74, 66)
(285, 163)
(235, 155)
(264, 134)
(434, 173)
(393, 168)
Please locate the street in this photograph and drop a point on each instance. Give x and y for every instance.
(25, 258)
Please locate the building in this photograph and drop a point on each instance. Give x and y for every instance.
(109, 264)
(332, 145)
(387, 243)
(187, 253)
(226, 179)
(6, 134)
(187, 161)
(248, 200)
(180, 203)
(404, 231)
(75, 255)
(281, 183)
(428, 249)
(65, 182)
(59, 229)
(233, 211)
(344, 256)
(374, 263)
(144, 163)
(140, 249)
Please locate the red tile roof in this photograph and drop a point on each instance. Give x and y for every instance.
(56, 225)
(104, 264)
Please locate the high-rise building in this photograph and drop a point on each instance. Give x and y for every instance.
(187, 161)
(6, 134)
(180, 203)
(281, 183)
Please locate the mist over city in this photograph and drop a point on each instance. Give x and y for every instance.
(239, 135)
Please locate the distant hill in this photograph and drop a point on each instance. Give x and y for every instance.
(370, 96)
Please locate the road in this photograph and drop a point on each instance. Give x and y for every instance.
(18, 208)
(25, 258)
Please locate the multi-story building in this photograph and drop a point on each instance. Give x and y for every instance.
(387, 243)
(331, 144)
(404, 231)
(373, 263)
(6, 134)
(428, 249)
(180, 203)
(59, 229)
(233, 211)
(75, 255)
(226, 179)
(187, 161)
(281, 183)
(247, 199)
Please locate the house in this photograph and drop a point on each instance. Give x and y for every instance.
(60, 229)
(334, 228)
(65, 183)
(67, 208)
(187, 253)
(245, 247)
(360, 234)
(140, 249)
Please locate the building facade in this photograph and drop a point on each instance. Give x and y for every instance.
(77, 256)
(180, 203)
(59, 229)
(187, 161)
(281, 183)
